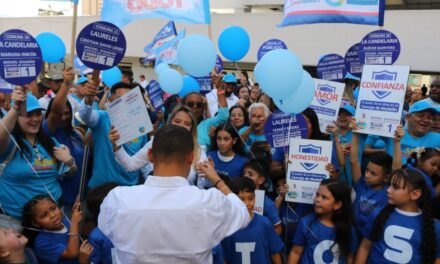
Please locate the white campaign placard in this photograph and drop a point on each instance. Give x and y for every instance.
(259, 202)
(306, 169)
(129, 116)
(327, 101)
(381, 96)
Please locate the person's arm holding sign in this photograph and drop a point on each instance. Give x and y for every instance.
(397, 157)
(86, 112)
(18, 97)
(354, 157)
(333, 130)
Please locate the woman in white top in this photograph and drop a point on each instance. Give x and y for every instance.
(181, 116)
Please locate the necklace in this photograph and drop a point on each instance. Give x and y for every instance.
(37, 152)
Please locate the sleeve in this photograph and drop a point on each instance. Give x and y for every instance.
(271, 211)
(276, 245)
(96, 256)
(300, 236)
(222, 116)
(360, 185)
(203, 128)
(278, 155)
(48, 249)
(135, 162)
(106, 215)
(88, 115)
(212, 101)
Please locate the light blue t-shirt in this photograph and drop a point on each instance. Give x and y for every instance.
(251, 138)
(19, 183)
(401, 240)
(203, 137)
(376, 142)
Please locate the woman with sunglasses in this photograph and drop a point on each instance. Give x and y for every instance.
(181, 116)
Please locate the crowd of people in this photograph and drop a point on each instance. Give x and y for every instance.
(185, 192)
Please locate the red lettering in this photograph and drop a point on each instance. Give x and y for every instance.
(327, 96)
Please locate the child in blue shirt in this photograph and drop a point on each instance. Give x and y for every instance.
(258, 242)
(327, 235)
(371, 188)
(404, 231)
(58, 240)
(226, 151)
(257, 171)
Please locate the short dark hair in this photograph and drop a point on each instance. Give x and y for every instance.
(382, 160)
(172, 143)
(96, 196)
(121, 85)
(242, 184)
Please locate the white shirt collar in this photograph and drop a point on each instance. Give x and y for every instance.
(169, 181)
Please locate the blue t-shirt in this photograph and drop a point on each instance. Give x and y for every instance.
(291, 214)
(254, 244)
(106, 168)
(49, 246)
(270, 211)
(376, 142)
(19, 183)
(401, 239)
(69, 185)
(203, 137)
(367, 205)
(217, 255)
(233, 168)
(251, 138)
(317, 240)
(102, 247)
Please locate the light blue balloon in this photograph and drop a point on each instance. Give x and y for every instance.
(279, 73)
(111, 76)
(170, 81)
(196, 55)
(52, 47)
(160, 67)
(300, 99)
(189, 85)
(234, 43)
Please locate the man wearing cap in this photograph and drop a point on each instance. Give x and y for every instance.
(229, 82)
(418, 129)
(434, 93)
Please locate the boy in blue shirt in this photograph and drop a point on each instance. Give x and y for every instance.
(258, 242)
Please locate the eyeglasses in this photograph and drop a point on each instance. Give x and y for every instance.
(194, 104)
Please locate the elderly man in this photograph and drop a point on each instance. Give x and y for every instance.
(166, 220)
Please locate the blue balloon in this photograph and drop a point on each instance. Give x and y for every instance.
(189, 85)
(160, 67)
(234, 43)
(279, 73)
(301, 98)
(111, 76)
(170, 81)
(196, 55)
(52, 47)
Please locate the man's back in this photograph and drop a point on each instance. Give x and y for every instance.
(168, 221)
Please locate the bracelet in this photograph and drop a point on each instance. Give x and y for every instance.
(217, 182)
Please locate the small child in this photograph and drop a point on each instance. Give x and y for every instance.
(254, 169)
(404, 231)
(258, 242)
(58, 240)
(327, 235)
(427, 162)
(13, 248)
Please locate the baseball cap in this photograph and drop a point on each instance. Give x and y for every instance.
(32, 103)
(81, 80)
(351, 76)
(229, 78)
(423, 106)
(348, 108)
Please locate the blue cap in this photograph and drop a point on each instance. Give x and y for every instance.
(423, 106)
(32, 103)
(351, 76)
(229, 78)
(348, 108)
(81, 80)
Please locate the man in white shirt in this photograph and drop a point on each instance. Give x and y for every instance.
(166, 220)
(229, 81)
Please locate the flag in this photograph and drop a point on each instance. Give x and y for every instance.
(297, 12)
(167, 53)
(165, 34)
(122, 12)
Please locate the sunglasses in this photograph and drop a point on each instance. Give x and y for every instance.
(194, 104)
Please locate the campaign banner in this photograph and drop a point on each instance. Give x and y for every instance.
(298, 12)
(306, 168)
(156, 95)
(280, 127)
(167, 53)
(101, 45)
(352, 61)
(327, 101)
(259, 202)
(5, 87)
(20, 57)
(269, 45)
(218, 65)
(122, 12)
(205, 84)
(331, 67)
(381, 96)
(165, 34)
(379, 47)
(129, 116)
